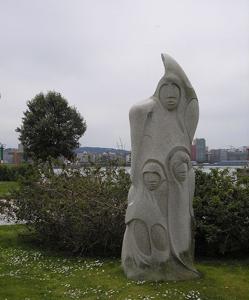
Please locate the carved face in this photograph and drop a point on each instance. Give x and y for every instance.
(180, 165)
(169, 96)
(180, 170)
(151, 180)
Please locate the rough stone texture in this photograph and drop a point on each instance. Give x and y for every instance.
(158, 241)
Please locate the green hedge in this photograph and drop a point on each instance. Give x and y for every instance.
(13, 172)
(84, 213)
(221, 206)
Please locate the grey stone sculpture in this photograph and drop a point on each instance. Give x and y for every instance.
(158, 242)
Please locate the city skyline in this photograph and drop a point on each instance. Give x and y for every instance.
(119, 147)
(105, 57)
(200, 154)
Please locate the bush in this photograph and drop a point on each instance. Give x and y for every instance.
(13, 172)
(221, 206)
(82, 212)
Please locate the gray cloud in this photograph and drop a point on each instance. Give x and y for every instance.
(104, 56)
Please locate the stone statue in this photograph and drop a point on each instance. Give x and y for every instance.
(158, 242)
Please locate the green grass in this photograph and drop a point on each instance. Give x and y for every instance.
(6, 187)
(30, 273)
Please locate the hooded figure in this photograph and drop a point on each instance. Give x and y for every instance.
(159, 125)
(146, 242)
(165, 120)
(180, 211)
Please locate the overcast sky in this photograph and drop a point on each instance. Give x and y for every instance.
(104, 56)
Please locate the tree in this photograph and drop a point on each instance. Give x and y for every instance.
(50, 127)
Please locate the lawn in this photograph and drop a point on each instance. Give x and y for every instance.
(6, 187)
(31, 273)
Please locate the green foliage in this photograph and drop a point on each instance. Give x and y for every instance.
(50, 127)
(6, 187)
(221, 206)
(13, 172)
(81, 211)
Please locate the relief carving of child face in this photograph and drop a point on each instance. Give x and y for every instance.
(151, 180)
(180, 171)
(169, 96)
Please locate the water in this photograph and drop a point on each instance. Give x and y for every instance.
(207, 168)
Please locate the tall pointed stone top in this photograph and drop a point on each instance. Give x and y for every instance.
(174, 73)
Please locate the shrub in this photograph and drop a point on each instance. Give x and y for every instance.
(80, 211)
(83, 211)
(221, 206)
(13, 172)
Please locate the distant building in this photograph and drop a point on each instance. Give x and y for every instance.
(200, 145)
(237, 155)
(206, 154)
(12, 156)
(244, 148)
(217, 155)
(223, 154)
(214, 155)
(85, 157)
(8, 155)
